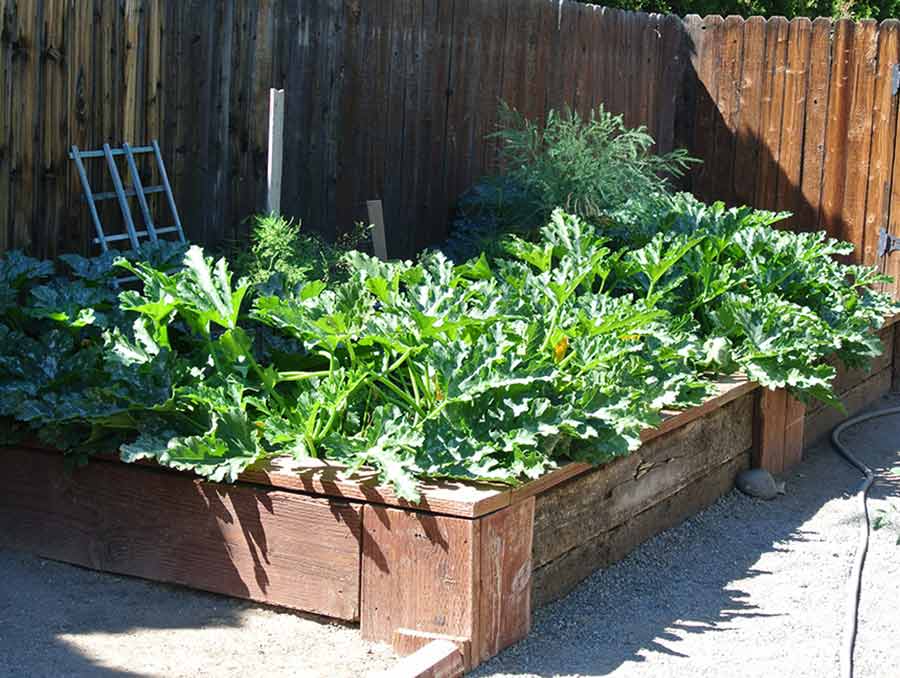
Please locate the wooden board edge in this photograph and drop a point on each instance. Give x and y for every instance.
(438, 658)
(613, 545)
(460, 499)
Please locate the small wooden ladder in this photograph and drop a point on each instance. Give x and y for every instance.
(150, 232)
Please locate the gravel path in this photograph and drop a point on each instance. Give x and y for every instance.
(59, 621)
(745, 589)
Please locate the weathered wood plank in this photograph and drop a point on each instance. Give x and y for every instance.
(808, 213)
(49, 228)
(819, 423)
(707, 45)
(672, 62)
(26, 133)
(261, 544)
(728, 101)
(749, 146)
(419, 572)
(593, 503)
(81, 111)
(438, 658)
(7, 27)
(884, 130)
(794, 422)
(788, 193)
(772, 109)
(505, 578)
(770, 424)
(556, 578)
(450, 498)
(838, 127)
(861, 87)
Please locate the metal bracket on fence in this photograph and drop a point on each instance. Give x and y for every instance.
(895, 79)
(887, 243)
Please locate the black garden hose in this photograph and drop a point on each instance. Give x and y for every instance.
(855, 582)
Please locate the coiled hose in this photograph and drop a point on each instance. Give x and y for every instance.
(854, 584)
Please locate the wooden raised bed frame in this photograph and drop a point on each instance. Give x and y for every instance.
(466, 564)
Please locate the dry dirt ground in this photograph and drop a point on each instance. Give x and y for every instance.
(745, 589)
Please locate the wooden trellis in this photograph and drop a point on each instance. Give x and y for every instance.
(121, 193)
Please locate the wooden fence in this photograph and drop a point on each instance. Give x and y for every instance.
(392, 99)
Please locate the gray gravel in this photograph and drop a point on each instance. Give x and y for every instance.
(747, 588)
(62, 621)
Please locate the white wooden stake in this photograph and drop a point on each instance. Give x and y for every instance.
(376, 218)
(276, 138)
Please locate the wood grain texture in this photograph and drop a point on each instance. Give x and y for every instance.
(820, 52)
(837, 128)
(788, 193)
(406, 642)
(591, 504)
(265, 545)
(728, 101)
(770, 422)
(884, 130)
(392, 99)
(707, 44)
(771, 113)
(795, 417)
(438, 658)
(861, 82)
(419, 572)
(748, 145)
(820, 423)
(504, 598)
(556, 578)
(443, 497)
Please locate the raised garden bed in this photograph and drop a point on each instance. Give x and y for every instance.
(466, 563)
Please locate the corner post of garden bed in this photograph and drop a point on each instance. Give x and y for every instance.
(426, 577)
(778, 430)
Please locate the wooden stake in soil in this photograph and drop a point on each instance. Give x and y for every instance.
(276, 139)
(376, 218)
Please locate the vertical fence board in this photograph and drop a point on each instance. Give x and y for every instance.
(748, 144)
(772, 112)
(670, 76)
(6, 113)
(884, 126)
(82, 117)
(347, 199)
(584, 62)
(436, 199)
(788, 196)
(50, 233)
(837, 128)
(495, 20)
(728, 101)
(26, 99)
(859, 135)
(707, 44)
(651, 39)
(816, 119)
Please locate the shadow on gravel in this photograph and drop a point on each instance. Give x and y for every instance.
(46, 607)
(693, 578)
(53, 601)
